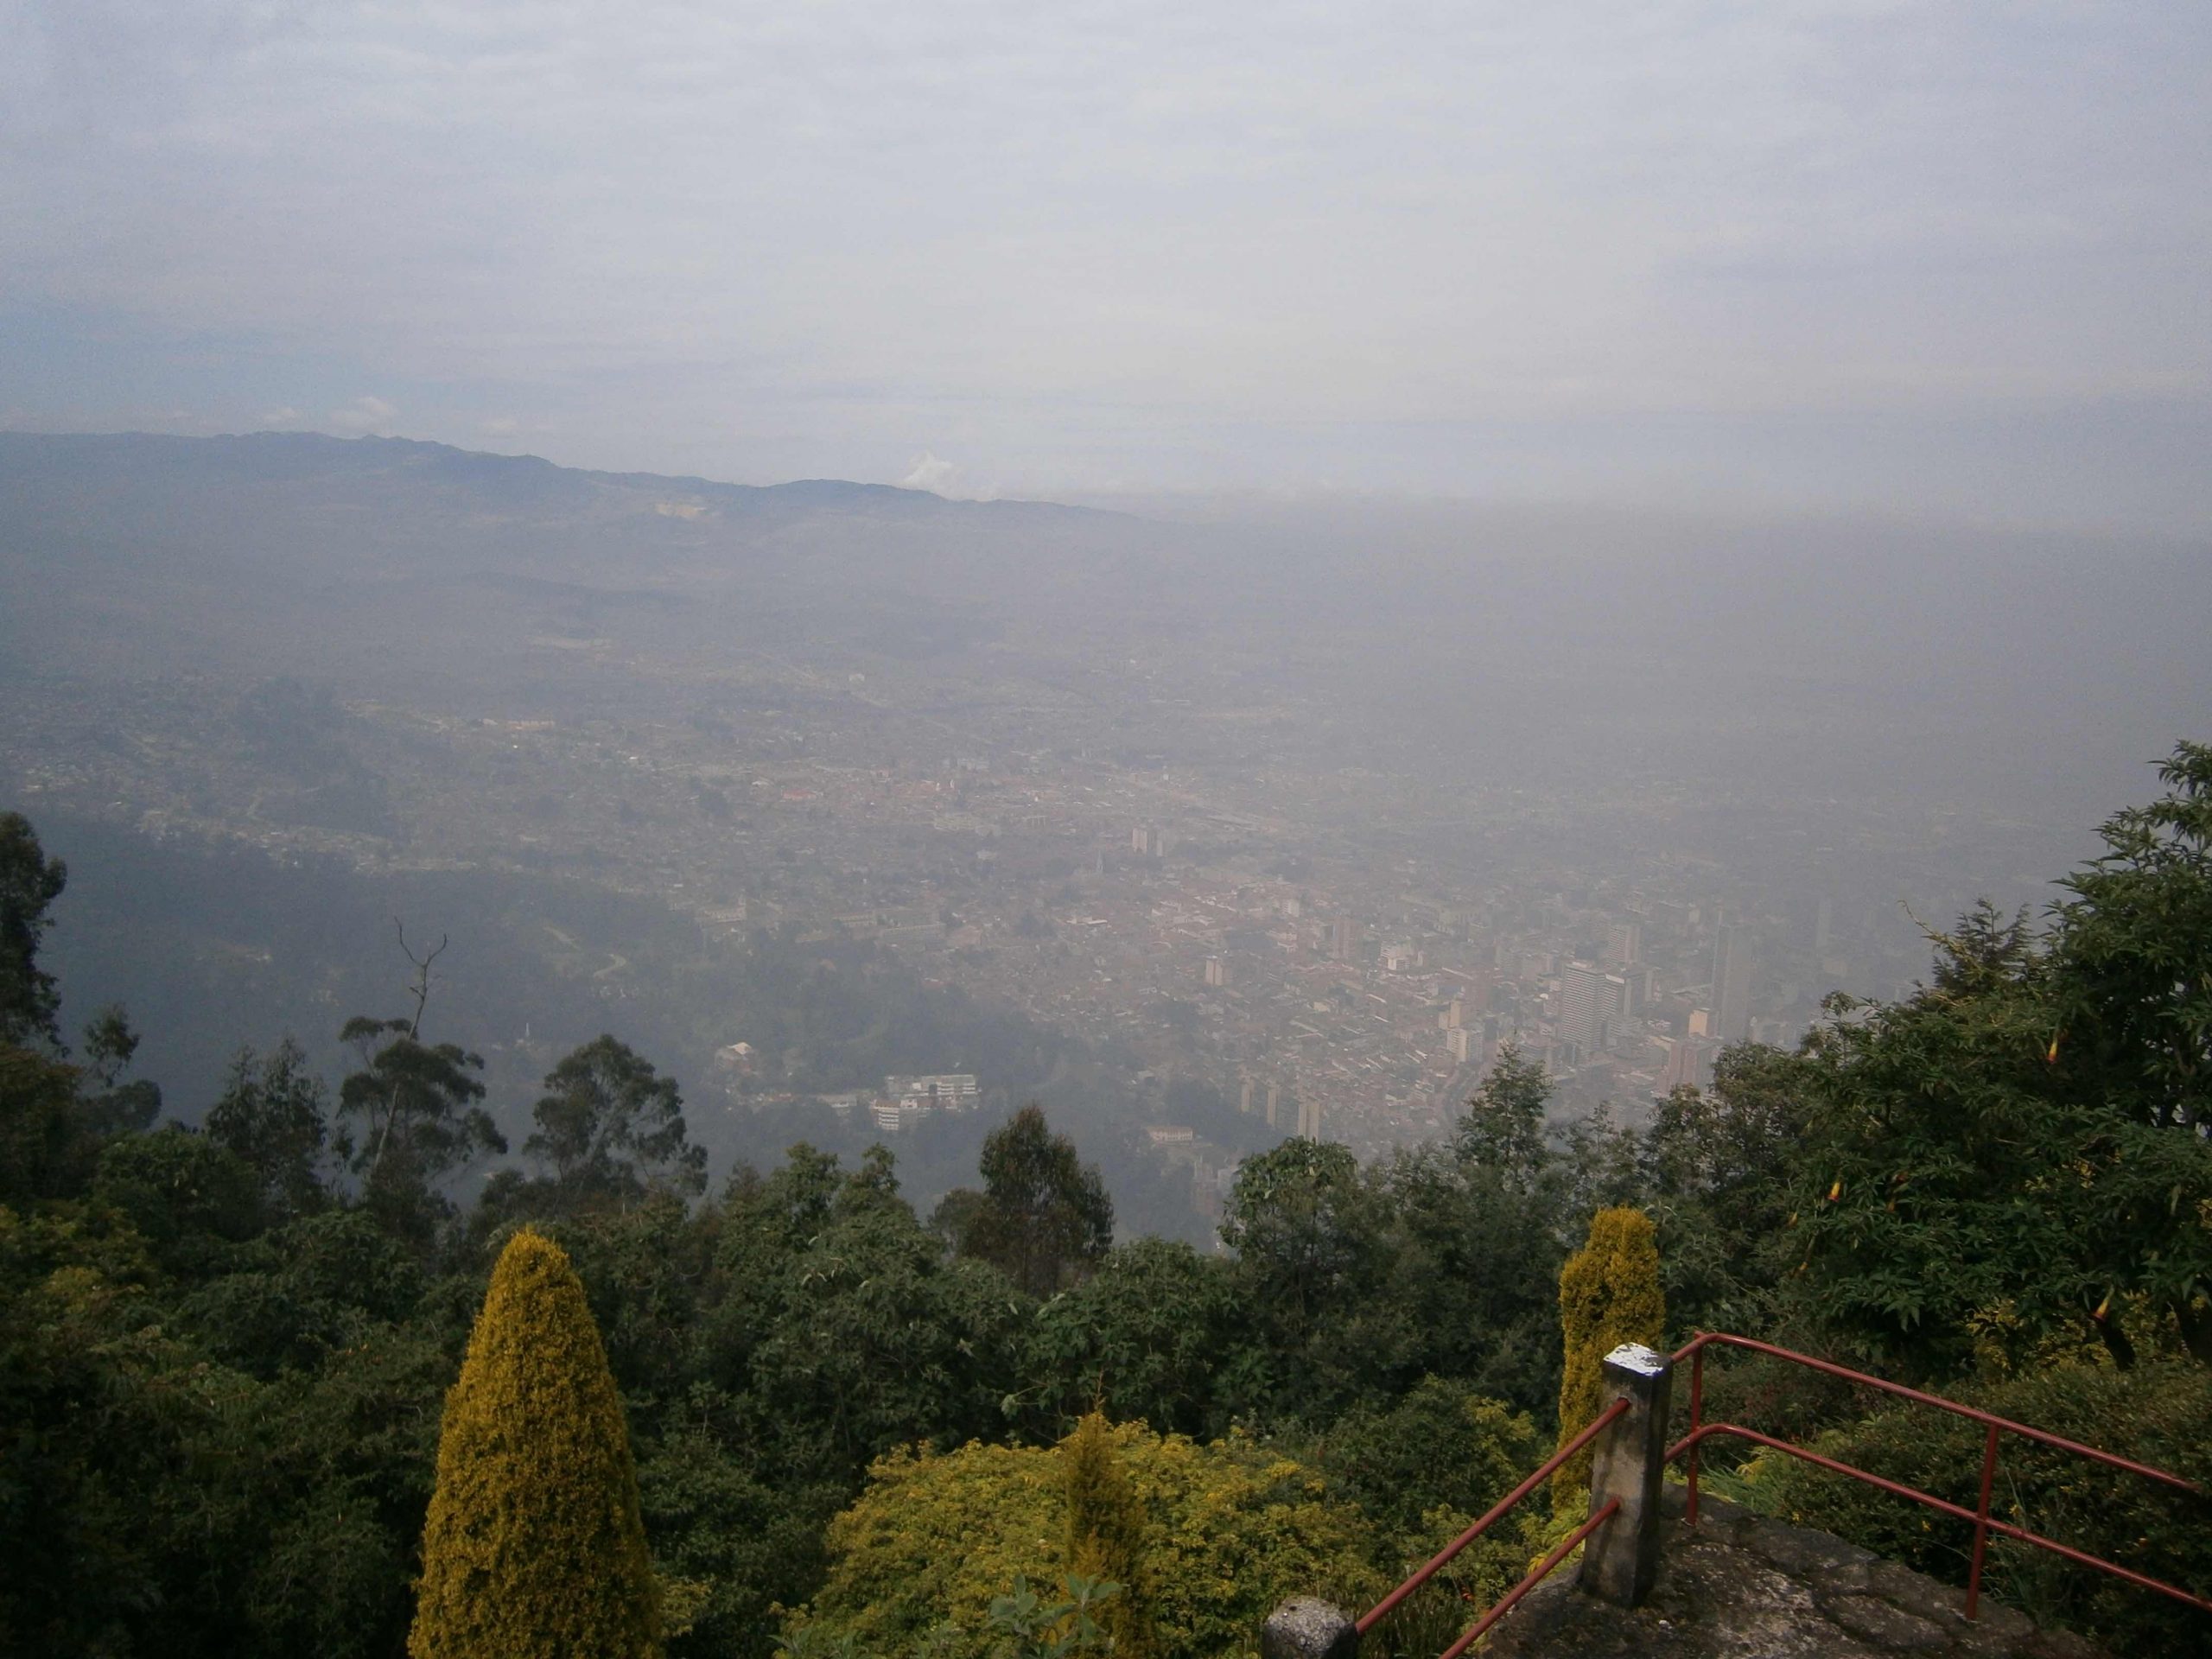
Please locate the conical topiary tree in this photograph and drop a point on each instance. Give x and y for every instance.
(1609, 1293)
(534, 1546)
(1105, 1536)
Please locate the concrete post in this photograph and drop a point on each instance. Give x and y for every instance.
(1303, 1627)
(1622, 1558)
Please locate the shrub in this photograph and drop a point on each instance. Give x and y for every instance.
(1105, 1530)
(1441, 1447)
(2156, 1413)
(534, 1546)
(1608, 1294)
(1422, 1469)
(1229, 1530)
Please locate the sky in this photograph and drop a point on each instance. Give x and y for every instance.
(1950, 260)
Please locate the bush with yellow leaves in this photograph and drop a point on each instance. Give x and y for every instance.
(1227, 1529)
(534, 1548)
(1609, 1293)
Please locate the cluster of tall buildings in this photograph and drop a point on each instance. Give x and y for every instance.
(1281, 1108)
(1599, 1005)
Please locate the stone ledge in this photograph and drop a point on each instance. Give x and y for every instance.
(1741, 1585)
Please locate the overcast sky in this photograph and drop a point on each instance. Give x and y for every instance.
(1953, 259)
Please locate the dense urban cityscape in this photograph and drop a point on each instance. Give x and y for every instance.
(1336, 950)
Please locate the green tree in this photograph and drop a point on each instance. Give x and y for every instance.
(1723, 1162)
(1504, 1126)
(187, 1196)
(534, 1546)
(2132, 962)
(1029, 1627)
(1609, 1293)
(1150, 1334)
(273, 1113)
(1298, 1219)
(1439, 1448)
(2131, 983)
(1311, 1246)
(41, 1152)
(1421, 1468)
(2009, 1157)
(106, 1103)
(1044, 1215)
(416, 1104)
(30, 883)
(612, 1129)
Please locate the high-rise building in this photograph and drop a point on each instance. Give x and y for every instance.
(1464, 1042)
(1623, 945)
(1481, 981)
(1344, 938)
(1216, 972)
(1734, 949)
(1592, 1003)
(1643, 987)
(1274, 1101)
(1689, 1061)
(1309, 1119)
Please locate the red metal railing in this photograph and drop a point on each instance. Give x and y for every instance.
(1443, 1557)
(1983, 1523)
(1978, 1517)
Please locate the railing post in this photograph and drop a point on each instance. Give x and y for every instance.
(1697, 1419)
(1306, 1628)
(1981, 1523)
(1622, 1558)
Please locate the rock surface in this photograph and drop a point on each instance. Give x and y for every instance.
(1303, 1628)
(1739, 1586)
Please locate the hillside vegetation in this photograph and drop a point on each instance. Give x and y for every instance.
(226, 1354)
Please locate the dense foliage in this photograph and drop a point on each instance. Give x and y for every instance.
(1228, 1528)
(2018, 1153)
(2159, 1412)
(224, 1352)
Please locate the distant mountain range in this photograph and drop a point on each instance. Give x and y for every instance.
(1518, 642)
(357, 560)
(35, 461)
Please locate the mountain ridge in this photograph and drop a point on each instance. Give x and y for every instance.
(483, 467)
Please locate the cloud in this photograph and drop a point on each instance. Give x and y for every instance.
(285, 417)
(364, 414)
(1145, 241)
(928, 472)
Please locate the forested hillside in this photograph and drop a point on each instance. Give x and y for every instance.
(225, 1350)
(212, 946)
